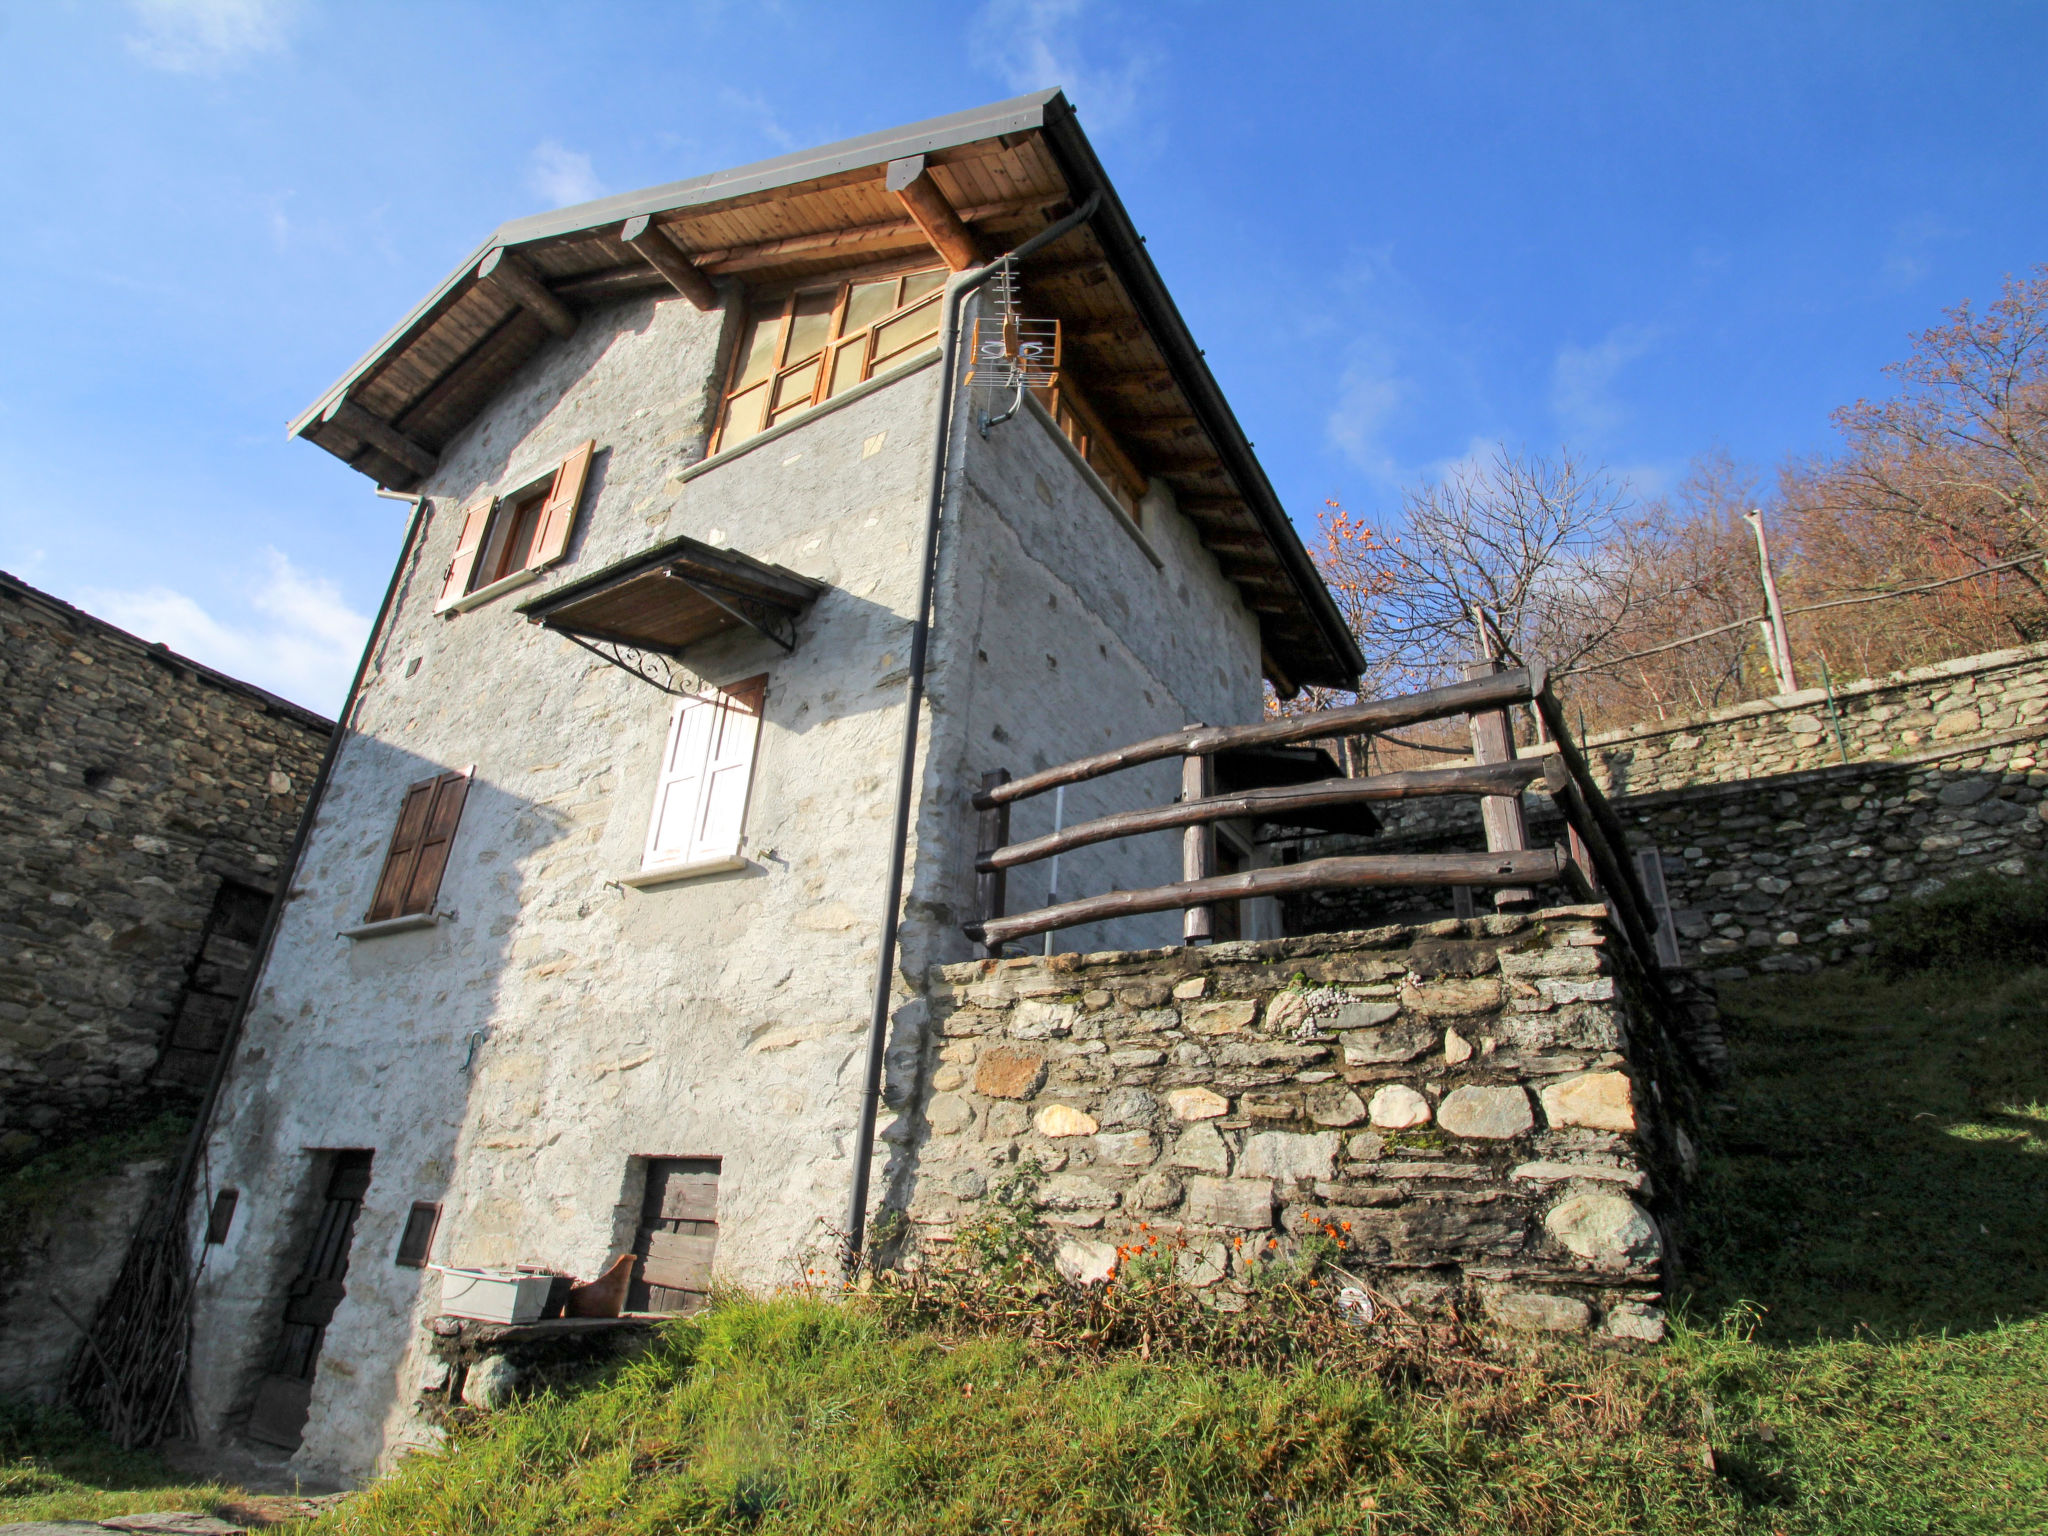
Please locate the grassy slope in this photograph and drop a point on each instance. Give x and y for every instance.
(1877, 1179)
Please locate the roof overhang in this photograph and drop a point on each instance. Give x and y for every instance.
(991, 178)
(674, 596)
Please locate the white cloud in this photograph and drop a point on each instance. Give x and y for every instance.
(1369, 393)
(1582, 381)
(299, 639)
(1034, 44)
(562, 176)
(205, 37)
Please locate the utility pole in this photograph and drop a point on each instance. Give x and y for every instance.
(1777, 642)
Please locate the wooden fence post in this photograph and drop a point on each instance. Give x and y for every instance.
(1493, 741)
(1197, 847)
(992, 885)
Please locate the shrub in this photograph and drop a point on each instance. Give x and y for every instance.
(1982, 918)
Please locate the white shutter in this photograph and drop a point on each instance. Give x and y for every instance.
(700, 798)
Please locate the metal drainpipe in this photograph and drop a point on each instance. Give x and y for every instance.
(957, 290)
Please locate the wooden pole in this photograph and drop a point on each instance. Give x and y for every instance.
(1493, 741)
(991, 884)
(658, 247)
(1781, 644)
(1197, 846)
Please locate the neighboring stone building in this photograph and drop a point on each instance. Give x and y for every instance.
(147, 804)
(579, 955)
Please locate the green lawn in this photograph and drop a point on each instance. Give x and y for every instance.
(1864, 1351)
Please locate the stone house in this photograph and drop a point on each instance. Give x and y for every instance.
(147, 803)
(580, 955)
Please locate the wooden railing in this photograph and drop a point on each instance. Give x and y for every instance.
(1593, 863)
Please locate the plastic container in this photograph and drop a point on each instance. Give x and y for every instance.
(493, 1295)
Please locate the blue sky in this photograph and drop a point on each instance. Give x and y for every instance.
(1402, 231)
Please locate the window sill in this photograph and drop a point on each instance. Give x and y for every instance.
(839, 401)
(1095, 481)
(665, 875)
(497, 588)
(407, 924)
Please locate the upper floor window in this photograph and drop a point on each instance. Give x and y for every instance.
(410, 881)
(504, 537)
(707, 772)
(799, 351)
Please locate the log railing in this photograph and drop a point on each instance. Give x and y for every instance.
(1594, 863)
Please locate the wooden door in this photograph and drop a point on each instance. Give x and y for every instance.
(678, 1235)
(282, 1398)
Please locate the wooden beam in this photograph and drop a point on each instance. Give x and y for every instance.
(505, 270)
(1428, 869)
(659, 249)
(909, 179)
(1106, 333)
(1095, 268)
(1352, 720)
(1272, 804)
(380, 435)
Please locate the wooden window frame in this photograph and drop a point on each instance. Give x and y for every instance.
(782, 367)
(416, 860)
(1097, 445)
(482, 567)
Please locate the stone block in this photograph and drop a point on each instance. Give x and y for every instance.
(1202, 1147)
(1076, 1192)
(1160, 1191)
(1126, 1149)
(1363, 1014)
(1128, 1109)
(1084, 1261)
(1221, 1018)
(949, 1114)
(490, 1383)
(1601, 1101)
(1192, 988)
(1196, 1104)
(1610, 1232)
(1242, 1203)
(1061, 1120)
(1398, 1107)
(1557, 1172)
(1452, 998)
(1003, 1073)
(1335, 1105)
(1634, 1320)
(1288, 1155)
(1486, 1113)
(1151, 993)
(1456, 1048)
(1042, 1021)
(1537, 1312)
(1390, 1043)
(1286, 1012)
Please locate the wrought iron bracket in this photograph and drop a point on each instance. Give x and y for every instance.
(649, 666)
(777, 623)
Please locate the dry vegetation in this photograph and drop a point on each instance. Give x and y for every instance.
(1947, 478)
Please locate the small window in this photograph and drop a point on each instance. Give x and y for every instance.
(802, 350)
(221, 1219)
(1084, 429)
(503, 537)
(417, 1241)
(707, 772)
(418, 857)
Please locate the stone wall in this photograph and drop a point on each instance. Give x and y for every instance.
(1884, 717)
(1490, 1110)
(146, 802)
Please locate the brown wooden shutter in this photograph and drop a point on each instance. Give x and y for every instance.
(404, 851)
(558, 517)
(449, 793)
(476, 517)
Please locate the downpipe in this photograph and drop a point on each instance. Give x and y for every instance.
(957, 290)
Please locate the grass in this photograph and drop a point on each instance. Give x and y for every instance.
(52, 1467)
(1863, 1351)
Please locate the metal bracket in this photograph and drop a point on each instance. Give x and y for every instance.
(649, 666)
(765, 618)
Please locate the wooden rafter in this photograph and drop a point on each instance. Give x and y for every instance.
(507, 271)
(912, 182)
(346, 416)
(658, 246)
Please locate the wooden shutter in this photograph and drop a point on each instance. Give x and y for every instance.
(450, 791)
(558, 517)
(404, 851)
(419, 847)
(476, 517)
(700, 799)
(729, 772)
(416, 1243)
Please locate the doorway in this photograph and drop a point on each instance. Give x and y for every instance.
(677, 1237)
(285, 1394)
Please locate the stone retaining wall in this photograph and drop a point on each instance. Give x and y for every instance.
(135, 785)
(1489, 1110)
(1879, 718)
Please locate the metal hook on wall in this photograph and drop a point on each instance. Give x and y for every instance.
(476, 1038)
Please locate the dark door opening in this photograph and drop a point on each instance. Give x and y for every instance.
(678, 1235)
(283, 1396)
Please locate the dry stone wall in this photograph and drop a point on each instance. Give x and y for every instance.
(1488, 1111)
(1898, 715)
(134, 785)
